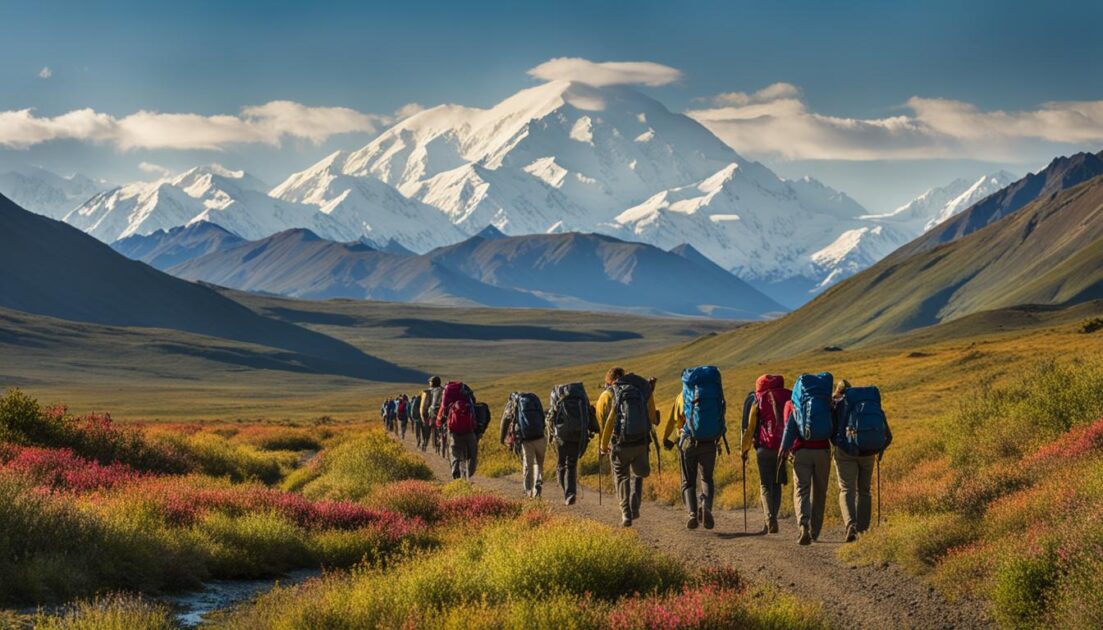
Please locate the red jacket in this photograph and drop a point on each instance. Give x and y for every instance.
(799, 443)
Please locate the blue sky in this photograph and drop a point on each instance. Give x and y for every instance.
(860, 61)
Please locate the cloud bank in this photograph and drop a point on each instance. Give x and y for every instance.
(605, 73)
(269, 124)
(776, 122)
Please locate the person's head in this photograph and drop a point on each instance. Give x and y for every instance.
(613, 374)
(434, 382)
(841, 387)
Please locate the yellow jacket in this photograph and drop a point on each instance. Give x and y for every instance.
(675, 419)
(752, 427)
(607, 418)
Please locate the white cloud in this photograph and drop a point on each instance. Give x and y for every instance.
(407, 110)
(605, 73)
(45, 72)
(154, 169)
(269, 124)
(775, 122)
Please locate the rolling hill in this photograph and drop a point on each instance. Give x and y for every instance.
(66, 274)
(576, 271)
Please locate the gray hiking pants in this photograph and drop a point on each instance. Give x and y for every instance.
(464, 451)
(630, 467)
(770, 480)
(700, 458)
(532, 464)
(855, 474)
(566, 467)
(811, 467)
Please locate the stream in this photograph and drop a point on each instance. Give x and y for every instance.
(192, 608)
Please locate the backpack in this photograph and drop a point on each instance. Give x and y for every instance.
(865, 421)
(570, 413)
(460, 418)
(812, 406)
(703, 402)
(436, 397)
(528, 416)
(415, 408)
(770, 395)
(482, 417)
(402, 408)
(633, 424)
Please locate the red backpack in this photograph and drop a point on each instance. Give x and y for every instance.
(460, 412)
(771, 396)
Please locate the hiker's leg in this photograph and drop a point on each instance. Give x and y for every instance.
(569, 456)
(766, 461)
(820, 473)
(472, 454)
(456, 454)
(846, 467)
(621, 475)
(540, 450)
(561, 455)
(528, 455)
(802, 487)
(688, 466)
(706, 460)
(865, 490)
(641, 468)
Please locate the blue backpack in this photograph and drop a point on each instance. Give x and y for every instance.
(528, 416)
(865, 421)
(812, 406)
(703, 403)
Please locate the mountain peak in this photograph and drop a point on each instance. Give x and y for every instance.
(490, 233)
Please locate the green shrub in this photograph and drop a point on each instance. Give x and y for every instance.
(252, 545)
(1091, 325)
(115, 612)
(1022, 591)
(354, 468)
(212, 455)
(916, 541)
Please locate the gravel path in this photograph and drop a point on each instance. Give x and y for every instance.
(873, 597)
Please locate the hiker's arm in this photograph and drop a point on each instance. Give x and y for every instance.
(605, 418)
(674, 420)
(507, 420)
(752, 426)
(653, 409)
(791, 429)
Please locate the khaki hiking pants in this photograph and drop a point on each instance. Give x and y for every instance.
(567, 455)
(464, 452)
(855, 474)
(771, 479)
(630, 467)
(532, 463)
(698, 459)
(811, 467)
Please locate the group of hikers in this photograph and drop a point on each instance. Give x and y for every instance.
(815, 422)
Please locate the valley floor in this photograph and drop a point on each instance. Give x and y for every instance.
(852, 596)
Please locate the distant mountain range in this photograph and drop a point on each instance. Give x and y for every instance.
(571, 270)
(46, 193)
(1038, 241)
(558, 157)
(55, 270)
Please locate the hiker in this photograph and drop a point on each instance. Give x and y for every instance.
(572, 422)
(626, 413)
(698, 414)
(402, 411)
(861, 434)
(456, 418)
(763, 425)
(809, 423)
(389, 413)
(415, 419)
(523, 423)
(430, 409)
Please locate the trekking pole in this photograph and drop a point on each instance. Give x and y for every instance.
(601, 478)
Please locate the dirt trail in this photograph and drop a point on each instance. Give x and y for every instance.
(853, 597)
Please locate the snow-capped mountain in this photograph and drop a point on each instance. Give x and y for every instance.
(938, 204)
(764, 228)
(45, 192)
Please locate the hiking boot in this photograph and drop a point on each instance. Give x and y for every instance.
(805, 535)
(707, 520)
(851, 534)
(771, 526)
(626, 521)
(692, 522)
(569, 500)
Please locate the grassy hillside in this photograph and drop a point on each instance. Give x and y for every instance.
(143, 373)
